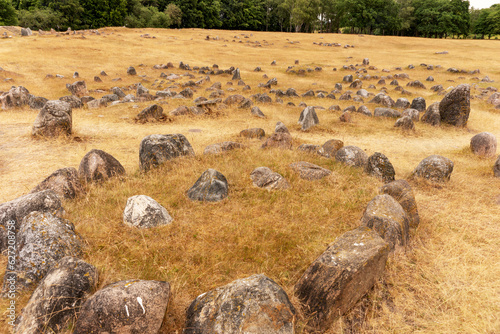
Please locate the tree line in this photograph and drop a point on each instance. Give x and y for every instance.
(426, 18)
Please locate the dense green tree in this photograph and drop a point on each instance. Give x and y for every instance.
(8, 15)
(243, 14)
(43, 19)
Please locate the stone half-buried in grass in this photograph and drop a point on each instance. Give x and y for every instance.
(340, 276)
(98, 165)
(211, 187)
(434, 168)
(309, 171)
(157, 149)
(264, 177)
(401, 191)
(255, 304)
(142, 211)
(484, 144)
(53, 120)
(64, 182)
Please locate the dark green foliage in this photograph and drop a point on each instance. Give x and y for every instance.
(8, 15)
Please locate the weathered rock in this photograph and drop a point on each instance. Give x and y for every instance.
(418, 103)
(330, 148)
(26, 32)
(54, 119)
(253, 133)
(454, 108)
(352, 156)
(118, 91)
(131, 71)
(484, 144)
(366, 61)
(236, 74)
(308, 118)
(388, 218)
(401, 191)
(496, 168)
(432, 116)
(211, 186)
(142, 211)
(109, 98)
(255, 304)
(402, 103)
(246, 103)
(348, 78)
(345, 117)
(264, 177)
(97, 103)
(58, 297)
(279, 140)
(15, 97)
(74, 101)
(151, 113)
(383, 99)
(78, 88)
(222, 147)
(257, 112)
(41, 241)
(364, 110)
(412, 113)
(36, 102)
(157, 149)
(234, 99)
(435, 168)
(64, 182)
(280, 127)
(98, 165)
(386, 112)
(309, 171)
(343, 274)
(379, 166)
(356, 84)
(405, 123)
(416, 84)
(493, 99)
(127, 307)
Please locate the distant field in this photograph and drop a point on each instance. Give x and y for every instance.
(446, 281)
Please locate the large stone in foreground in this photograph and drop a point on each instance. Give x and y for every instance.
(53, 120)
(98, 165)
(125, 307)
(253, 305)
(211, 186)
(264, 177)
(435, 168)
(352, 156)
(64, 182)
(484, 144)
(454, 108)
(157, 149)
(144, 212)
(401, 191)
(57, 299)
(309, 171)
(343, 274)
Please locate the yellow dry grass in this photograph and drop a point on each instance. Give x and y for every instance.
(447, 280)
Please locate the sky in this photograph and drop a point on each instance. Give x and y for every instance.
(480, 4)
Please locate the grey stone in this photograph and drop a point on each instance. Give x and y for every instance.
(364, 110)
(257, 112)
(78, 88)
(435, 168)
(496, 168)
(484, 144)
(401, 191)
(264, 177)
(151, 113)
(64, 182)
(98, 165)
(222, 147)
(386, 112)
(211, 187)
(432, 116)
(412, 113)
(142, 211)
(309, 171)
(308, 118)
(74, 101)
(454, 108)
(330, 148)
(54, 119)
(405, 123)
(352, 156)
(379, 166)
(157, 149)
(402, 103)
(131, 71)
(36, 102)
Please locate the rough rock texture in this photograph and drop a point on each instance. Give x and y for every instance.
(496, 168)
(414, 114)
(264, 177)
(14, 97)
(405, 123)
(383, 99)
(36, 102)
(257, 112)
(253, 305)
(78, 88)
(151, 113)
(15, 211)
(309, 171)
(42, 240)
(98, 165)
(211, 187)
(454, 108)
(364, 110)
(222, 147)
(74, 101)
(435, 168)
(308, 118)
(386, 112)
(144, 212)
(125, 307)
(494, 99)
(54, 119)
(343, 274)
(279, 140)
(352, 156)
(253, 133)
(432, 116)
(64, 182)
(379, 166)
(402, 103)
(345, 117)
(58, 297)
(388, 218)
(401, 191)
(157, 149)
(330, 148)
(309, 148)
(484, 144)
(418, 103)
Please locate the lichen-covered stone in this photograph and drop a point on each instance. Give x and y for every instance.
(308, 118)
(431, 115)
(57, 299)
(454, 108)
(418, 103)
(222, 147)
(157, 149)
(309, 171)
(379, 166)
(54, 119)
(125, 307)
(405, 123)
(253, 305)
(264, 177)
(211, 186)
(340, 276)
(352, 156)
(435, 168)
(64, 182)
(144, 212)
(309, 148)
(401, 191)
(15, 97)
(484, 144)
(98, 165)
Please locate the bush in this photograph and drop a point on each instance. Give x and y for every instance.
(43, 19)
(8, 15)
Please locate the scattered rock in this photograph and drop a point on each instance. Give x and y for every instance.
(78, 88)
(345, 117)
(64, 182)
(253, 133)
(257, 112)
(386, 112)
(402, 103)
(405, 123)
(222, 147)
(496, 169)
(309, 171)
(15, 97)
(54, 119)
(414, 114)
(484, 144)
(131, 71)
(98, 165)
(142, 211)
(74, 101)
(211, 186)
(36, 102)
(309, 148)
(352, 156)
(379, 166)
(151, 113)
(264, 177)
(308, 118)
(330, 148)
(401, 191)
(157, 149)
(364, 110)
(454, 108)
(432, 116)
(435, 168)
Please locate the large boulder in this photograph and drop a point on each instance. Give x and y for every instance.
(340, 276)
(54, 119)
(144, 212)
(211, 187)
(64, 182)
(401, 191)
(13, 212)
(388, 218)
(222, 147)
(435, 168)
(330, 148)
(352, 156)
(128, 307)
(379, 166)
(157, 149)
(255, 304)
(98, 165)
(15, 97)
(402, 103)
(484, 144)
(432, 115)
(309, 171)
(308, 118)
(264, 177)
(41, 241)
(151, 113)
(57, 299)
(454, 108)
(78, 88)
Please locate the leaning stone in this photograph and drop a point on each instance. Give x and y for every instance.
(343, 274)
(454, 108)
(264, 177)
(401, 191)
(64, 182)
(379, 166)
(222, 147)
(432, 116)
(281, 128)
(133, 306)
(98, 165)
(57, 299)
(309, 171)
(253, 133)
(484, 144)
(157, 149)
(435, 168)
(54, 119)
(151, 113)
(142, 211)
(255, 304)
(236, 74)
(352, 156)
(211, 186)
(308, 118)
(41, 241)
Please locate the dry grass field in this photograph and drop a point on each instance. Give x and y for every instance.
(446, 281)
